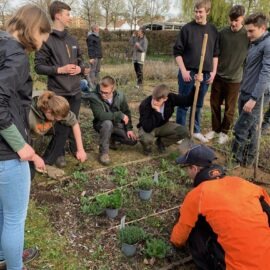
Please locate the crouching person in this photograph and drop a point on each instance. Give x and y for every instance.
(154, 124)
(224, 219)
(46, 110)
(112, 118)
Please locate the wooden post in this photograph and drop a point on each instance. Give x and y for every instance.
(258, 138)
(197, 84)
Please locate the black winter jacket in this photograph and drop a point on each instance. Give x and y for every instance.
(59, 50)
(151, 119)
(15, 91)
(94, 46)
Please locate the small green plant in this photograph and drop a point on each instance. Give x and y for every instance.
(80, 176)
(113, 201)
(145, 182)
(90, 207)
(120, 175)
(131, 235)
(156, 248)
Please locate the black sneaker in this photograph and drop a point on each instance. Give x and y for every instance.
(161, 147)
(60, 162)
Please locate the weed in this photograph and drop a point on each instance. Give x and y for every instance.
(78, 175)
(90, 207)
(131, 235)
(120, 175)
(156, 248)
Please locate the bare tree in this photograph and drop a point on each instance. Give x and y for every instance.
(157, 8)
(90, 11)
(4, 10)
(136, 8)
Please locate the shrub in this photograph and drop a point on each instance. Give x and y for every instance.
(131, 235)
(156, 248)
(113, 201)
(145, 182)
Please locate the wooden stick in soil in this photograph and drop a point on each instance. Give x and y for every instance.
(145, 217)
(177, 263)
(258, 139)
(197, 84)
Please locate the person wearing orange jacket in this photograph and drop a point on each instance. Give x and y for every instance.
(224, 219)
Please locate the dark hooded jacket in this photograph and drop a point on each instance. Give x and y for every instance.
(15, 91)
(59, 50)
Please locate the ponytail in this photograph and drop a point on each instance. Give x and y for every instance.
(58, 105)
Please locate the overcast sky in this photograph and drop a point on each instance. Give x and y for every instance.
(174, 7)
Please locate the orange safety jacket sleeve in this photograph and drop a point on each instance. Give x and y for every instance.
(266, 196)
(189, 213)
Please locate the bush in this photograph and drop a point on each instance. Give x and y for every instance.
(145, 182)
(113, 201)
(131, 235)
(156, 248)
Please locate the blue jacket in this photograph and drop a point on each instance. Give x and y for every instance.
(256, 77)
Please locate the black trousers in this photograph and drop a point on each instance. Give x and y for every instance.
(56, 146)
(139, 72)
(206, 252)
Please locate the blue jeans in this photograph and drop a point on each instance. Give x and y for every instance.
(14, 198)
(84, 86)
(244, 145)
(184, 89)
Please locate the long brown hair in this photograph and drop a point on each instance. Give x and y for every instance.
(26, 21)
(58, 105)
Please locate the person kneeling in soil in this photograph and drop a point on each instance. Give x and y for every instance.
(112, 118)
(46, 110)
(224, 219)
(155, 112)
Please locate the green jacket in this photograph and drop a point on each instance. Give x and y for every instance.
(38, 123)
(102, 110)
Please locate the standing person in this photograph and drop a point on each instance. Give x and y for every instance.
(233, 45)
(155, 112)
(26, 30)
(255, 83)
(223, 230)
(60, 59)
(187, 52)
(95, 54)
(112, 118)
(139, 44)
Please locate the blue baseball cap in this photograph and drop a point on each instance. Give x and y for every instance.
(199, 155)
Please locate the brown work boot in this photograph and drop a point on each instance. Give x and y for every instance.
(104, 159)
(60, 162)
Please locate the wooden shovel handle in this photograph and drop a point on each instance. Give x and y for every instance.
(197, 84)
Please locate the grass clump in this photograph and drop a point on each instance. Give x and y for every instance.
(156, 248)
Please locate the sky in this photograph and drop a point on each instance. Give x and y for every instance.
(174, 7)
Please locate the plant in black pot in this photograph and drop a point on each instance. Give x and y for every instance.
(111, 203)
(129, 236)
(145, 185)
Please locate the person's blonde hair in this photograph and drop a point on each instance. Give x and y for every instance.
(26, 21)
(203, 4)
(107, 81)
(160, 91)
(58, 105)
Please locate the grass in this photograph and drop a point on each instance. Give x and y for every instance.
(54, 248)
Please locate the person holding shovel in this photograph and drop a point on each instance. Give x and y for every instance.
(187, 52)
(222, 230)
(255, 84)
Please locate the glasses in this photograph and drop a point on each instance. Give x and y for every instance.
(105, 93)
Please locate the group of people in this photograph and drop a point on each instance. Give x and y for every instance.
(58, 56)
(237, 59)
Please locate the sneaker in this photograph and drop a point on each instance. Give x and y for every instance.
(223, 138)
(29, 254)
(200, 137)
(160, 146)
(104, 159)
(60, 162)
(210, 135)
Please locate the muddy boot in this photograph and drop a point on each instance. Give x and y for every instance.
(160, 146)
(60, 162)
(104, 159)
